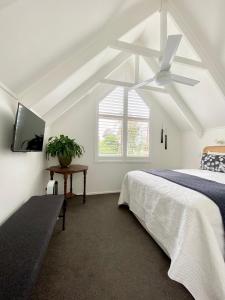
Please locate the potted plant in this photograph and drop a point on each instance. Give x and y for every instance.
(64, 148)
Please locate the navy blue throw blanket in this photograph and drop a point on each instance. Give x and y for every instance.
(212, 189)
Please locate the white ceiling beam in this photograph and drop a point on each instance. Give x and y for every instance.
(147, 52)
(154, 98)
(67, 103)
(117, 83)
(8, 91)
(135, 49)
(215, 71)
(117, 27)
(184, 109)
(130, 85)
(136, 68)
(163, 25)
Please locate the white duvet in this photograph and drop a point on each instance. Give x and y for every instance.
(186, 224)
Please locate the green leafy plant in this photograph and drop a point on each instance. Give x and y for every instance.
(64, 148)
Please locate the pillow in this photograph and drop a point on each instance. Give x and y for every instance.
(213, 162)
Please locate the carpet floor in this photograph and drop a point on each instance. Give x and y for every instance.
(104, 254)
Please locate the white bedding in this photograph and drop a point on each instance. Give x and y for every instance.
(186, 224)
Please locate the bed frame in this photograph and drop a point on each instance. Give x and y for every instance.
(219, 149)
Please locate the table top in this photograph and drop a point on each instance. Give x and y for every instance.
(69, 170)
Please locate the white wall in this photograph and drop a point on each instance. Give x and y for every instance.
(192, 145)
(21, 174)
(80, 123)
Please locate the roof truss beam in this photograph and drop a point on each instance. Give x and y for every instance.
(163, 25)
(67, 103)
(115, 29)
(136, 68)
(177, 98)
(147, 52)
(130, 85)
(8, 91)
(214, 70)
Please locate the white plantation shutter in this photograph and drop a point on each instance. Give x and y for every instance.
(112, 104)
(138, 126)
(110, 124)
(136, 106)
(137, 138)
(123, 125)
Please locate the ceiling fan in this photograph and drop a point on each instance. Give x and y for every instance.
(164, 77)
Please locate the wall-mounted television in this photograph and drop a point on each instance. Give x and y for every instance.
(28, 131)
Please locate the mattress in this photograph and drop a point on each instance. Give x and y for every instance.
(186, 224)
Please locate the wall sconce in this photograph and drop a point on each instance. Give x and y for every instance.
(162, 135)
(166, 140)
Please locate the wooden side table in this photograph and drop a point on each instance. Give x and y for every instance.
(69, 171)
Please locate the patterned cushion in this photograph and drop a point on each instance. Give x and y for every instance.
(213, 162)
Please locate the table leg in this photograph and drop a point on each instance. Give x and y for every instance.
(51, 175)
(65, 185)
(71, 184)
(64, 214)
(84, 194)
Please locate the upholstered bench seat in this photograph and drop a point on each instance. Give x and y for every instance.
(24, 239)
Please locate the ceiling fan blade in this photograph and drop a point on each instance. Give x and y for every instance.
(184, 80)
(172, 44)
(140, 84)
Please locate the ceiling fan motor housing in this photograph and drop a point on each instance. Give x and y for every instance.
(163, 78)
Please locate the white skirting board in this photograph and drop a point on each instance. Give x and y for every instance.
(98, 193)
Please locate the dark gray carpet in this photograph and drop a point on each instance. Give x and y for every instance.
(105, 254)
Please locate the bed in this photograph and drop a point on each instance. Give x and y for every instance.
(186, 224)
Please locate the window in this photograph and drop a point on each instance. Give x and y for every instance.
(123, 126)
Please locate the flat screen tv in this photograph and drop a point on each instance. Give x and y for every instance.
(28, 131)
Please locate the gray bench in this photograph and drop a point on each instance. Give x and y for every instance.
(24, 239)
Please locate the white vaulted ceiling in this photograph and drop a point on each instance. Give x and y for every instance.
(55, 52)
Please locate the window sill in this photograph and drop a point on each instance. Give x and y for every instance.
(122, 161)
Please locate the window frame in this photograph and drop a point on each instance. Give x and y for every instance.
(123, 158)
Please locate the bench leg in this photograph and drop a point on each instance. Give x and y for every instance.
(84, 193)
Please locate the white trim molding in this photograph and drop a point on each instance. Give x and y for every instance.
(99, 193)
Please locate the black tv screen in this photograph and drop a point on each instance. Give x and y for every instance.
(28, 131)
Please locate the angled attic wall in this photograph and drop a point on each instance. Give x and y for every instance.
(51, 84)
(115, 27)
(50, 95)
(80, 123)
